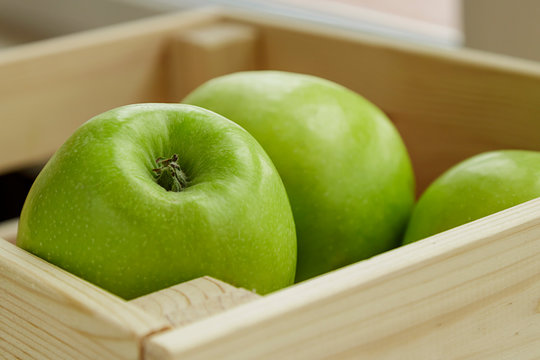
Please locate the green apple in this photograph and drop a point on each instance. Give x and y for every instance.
(477, 187)
(344, 165)
(146, 196)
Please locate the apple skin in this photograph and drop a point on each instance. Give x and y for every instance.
(96, 210)
(344, 165)
(479, 186)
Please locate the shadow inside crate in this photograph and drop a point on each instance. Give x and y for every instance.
(14, 187)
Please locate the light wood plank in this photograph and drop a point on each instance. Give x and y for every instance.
(176, 306)
(447, 105)
(49, 88)
(471, 292)
(205, 52)
(193, 300)
(47, 313)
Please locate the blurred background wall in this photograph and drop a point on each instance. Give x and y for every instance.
(509, 27)
(435, 22)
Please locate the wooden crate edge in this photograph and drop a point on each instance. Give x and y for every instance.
(71, 317)
(375, 308)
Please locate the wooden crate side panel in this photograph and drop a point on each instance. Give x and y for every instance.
(471, 292)
(47, 313)
(447, 105)
(193, 300)
(48, 89)
(205, 52)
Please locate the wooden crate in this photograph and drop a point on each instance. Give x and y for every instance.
(472, 292)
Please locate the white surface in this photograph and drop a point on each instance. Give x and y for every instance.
(432, 22)
(440, 30)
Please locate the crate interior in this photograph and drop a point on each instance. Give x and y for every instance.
(446, 105)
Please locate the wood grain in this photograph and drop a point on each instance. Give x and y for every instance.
(193, 300)
(205, 52)
(448, 105)
(49, 88)
(28, 332)
(47, 313)
(469, 293)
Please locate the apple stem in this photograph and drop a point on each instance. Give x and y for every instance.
(169, 175)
